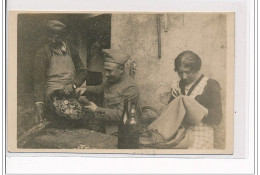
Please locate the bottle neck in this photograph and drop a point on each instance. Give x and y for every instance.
(125, 112)
(129, 112)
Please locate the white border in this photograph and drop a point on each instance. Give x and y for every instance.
(2, 89)
(92, 165)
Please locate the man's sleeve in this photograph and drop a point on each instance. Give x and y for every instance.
(39, 76)
(115, 114)
(81, 71)
(214, 104)
(95, 89)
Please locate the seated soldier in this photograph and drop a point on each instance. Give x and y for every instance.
(116, 88)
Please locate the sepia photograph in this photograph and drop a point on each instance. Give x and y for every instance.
(110, 82)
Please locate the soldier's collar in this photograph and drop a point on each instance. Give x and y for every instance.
(123, 77)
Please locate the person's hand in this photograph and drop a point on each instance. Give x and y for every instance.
(81, 90)
(39, 112)
(175, 93)
(67, 89)
(84, 100)
(205, 110)
(91, 108)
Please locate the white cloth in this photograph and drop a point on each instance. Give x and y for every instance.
(204, 134)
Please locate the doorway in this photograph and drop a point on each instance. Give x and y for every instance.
(98, 37)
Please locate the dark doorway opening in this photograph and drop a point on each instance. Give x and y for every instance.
(99, 37)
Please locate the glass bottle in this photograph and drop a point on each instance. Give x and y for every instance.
(133, 132)
(123, 127)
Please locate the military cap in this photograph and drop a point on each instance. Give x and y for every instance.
(115, 56)
(55, 26)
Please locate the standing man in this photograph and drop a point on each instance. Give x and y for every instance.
(56, 66)
(116, 89)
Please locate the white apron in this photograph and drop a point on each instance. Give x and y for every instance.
(61, 71)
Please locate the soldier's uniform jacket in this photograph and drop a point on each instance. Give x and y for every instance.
(114, 96)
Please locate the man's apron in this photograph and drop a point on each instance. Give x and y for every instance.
(61, 71)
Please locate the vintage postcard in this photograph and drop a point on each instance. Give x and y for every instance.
(138, 83)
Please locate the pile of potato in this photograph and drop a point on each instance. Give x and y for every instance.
(68, 108)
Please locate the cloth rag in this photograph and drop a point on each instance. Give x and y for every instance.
(183, 111)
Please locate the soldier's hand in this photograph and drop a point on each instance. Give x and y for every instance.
(84, 100)
(81, 90)
(91, 108)
(39, 112)
(68, 89)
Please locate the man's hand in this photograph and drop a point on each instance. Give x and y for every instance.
(81, 90)
(67, 89)
(39, 112)
(91, 108)
(84, 100)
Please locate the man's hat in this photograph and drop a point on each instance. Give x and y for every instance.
(56, 26)
(115, 56)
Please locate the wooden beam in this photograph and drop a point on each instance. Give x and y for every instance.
(159, 35)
